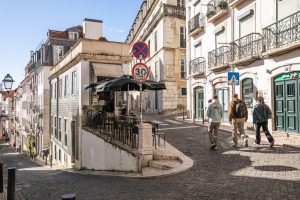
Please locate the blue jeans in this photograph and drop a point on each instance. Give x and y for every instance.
(264, 126)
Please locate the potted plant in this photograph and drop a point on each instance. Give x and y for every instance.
(223, 4)
(210, 13)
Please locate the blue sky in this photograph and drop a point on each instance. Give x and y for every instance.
(24, 25)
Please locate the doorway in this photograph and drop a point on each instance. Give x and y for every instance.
(287, 103)
(223, 94)
(199, 103)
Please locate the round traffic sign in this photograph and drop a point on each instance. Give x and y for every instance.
(140, 50)
(140, 71)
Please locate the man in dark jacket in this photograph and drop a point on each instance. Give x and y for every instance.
(261, 114)
(238, 115)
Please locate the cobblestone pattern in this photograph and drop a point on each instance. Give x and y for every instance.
(255, 172)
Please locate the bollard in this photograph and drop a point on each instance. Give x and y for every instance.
(50, 161)
(183, 114)
(1, 177)
(11, 183)
(68, 197)
(46, 161)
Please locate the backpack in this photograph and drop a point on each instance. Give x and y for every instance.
(268, 112)
(240, 110)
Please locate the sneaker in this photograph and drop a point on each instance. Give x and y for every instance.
(246, 143)
(213, 146)
(272, 143)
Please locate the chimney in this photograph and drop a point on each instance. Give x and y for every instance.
(92, 29)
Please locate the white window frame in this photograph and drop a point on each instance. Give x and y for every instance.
(73, 35)
(73, 87)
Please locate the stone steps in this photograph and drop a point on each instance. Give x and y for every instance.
(164, 164)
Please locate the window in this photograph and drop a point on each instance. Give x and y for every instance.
(59, 154)
(73, 35)
(55, 90)
(291, 90)
(220, 38)
(51, 91)
(55, 155)
(183, 68)
(59, 129)
(73, 91)
(51, 122)
(149, 47)
(60, 88)
(155, 41)
(58, 53)
(66, 86)
(183, 91)
(247, 92)
(182, 37)
(156, 76)
(65, 130)
(55, 127)
(180, 3)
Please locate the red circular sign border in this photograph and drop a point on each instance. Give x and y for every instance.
(146, 45)
(137, 64)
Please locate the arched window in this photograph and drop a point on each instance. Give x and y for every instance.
(247, 92)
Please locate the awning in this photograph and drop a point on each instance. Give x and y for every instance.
(153, 85)
(108, 70)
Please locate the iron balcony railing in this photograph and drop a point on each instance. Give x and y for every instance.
(219, 56)
(174, 11)
(196, 22)
(197, 66)
(249, 45)
(215, 6)
(283, 32)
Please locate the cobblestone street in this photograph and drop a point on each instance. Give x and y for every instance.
(255, 172)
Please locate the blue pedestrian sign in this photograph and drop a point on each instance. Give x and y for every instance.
(233, 78)
(140, 50)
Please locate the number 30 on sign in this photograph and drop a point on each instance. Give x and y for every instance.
(140, 71)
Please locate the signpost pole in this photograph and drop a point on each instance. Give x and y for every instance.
(233, 84)
(141, 109)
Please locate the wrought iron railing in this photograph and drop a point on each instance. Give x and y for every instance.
(283, 32)
(174, 11)
(196, 22)
(249, 45)
(219, 56)
(197, 66)
(120, 128)
(215, 6)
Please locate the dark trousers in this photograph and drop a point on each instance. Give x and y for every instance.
(264, 126)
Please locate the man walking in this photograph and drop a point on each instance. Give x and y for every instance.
(238, 115)
(261, 114)
(214, 114)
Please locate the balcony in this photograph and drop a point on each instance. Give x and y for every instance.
(216, 9)
(282, 36)
(196, 24)
(234, 3)
(175, 11)
(247, 49)
(219, 58)
(198, 67)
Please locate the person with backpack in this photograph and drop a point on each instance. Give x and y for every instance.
(261, 114)
(214, 114)
(238, 115)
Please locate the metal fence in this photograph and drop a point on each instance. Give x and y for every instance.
(219, 56)
(197, 66)
(283, 32)
(120, 128)
(249, 45)
(196, 22)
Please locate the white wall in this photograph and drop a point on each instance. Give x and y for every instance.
(100, 155)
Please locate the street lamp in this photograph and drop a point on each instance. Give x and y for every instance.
(8, 82)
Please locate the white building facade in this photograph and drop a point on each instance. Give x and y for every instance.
(161, 25)
(259, 40)
(90, 60)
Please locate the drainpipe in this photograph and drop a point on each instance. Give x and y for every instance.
(49, 121)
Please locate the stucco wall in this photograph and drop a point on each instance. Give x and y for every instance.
(100, 155)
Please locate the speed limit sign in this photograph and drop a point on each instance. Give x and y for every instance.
(140, 72)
